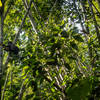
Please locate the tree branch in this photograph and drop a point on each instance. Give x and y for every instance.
(23, 87)
(95, 22)
(95, 8)
(55, 85)
(18, 33)
(1, 41)
(7, 11)
(2, 98)
(30, 16)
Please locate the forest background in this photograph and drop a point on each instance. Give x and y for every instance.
(59, 50)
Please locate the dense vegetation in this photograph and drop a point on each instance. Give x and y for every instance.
(59, 50)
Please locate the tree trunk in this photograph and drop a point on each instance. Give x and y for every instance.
(1, 41)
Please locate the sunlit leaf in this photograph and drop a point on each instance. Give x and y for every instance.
(0, 3)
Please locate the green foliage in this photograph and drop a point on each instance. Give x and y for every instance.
(78, 38)
(80, 90)
(59, 61)
(64, 34)
(74, 45)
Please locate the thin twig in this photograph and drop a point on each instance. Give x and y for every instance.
(2, 98)
(7, 11)
(23, 87)
(54, 84)
(51, 10)
(36, 9)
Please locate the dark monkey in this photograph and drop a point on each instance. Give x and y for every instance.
(11, 48)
